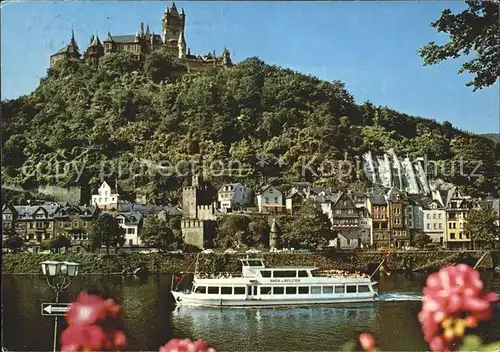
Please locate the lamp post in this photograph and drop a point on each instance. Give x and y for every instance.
(59, 276)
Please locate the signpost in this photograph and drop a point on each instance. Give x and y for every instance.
(55, 309)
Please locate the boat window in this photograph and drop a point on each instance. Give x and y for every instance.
(339, 289)
(255, 263)
(265, 273)
(226, 290)
(327, 290)
(303, 273)
(285, 273)
(304, 290)
(315, 290)
(265, 290)
(363, 288)
(278, 290)
(201, 289)
(351, 289)
(213, 290)
(291, 290)
(239, 290)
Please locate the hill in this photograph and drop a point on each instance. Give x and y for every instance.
(493, 136)
(128, 112)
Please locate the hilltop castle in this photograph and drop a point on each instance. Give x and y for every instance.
(145, 41)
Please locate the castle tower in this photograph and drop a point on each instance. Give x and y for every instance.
(273, 235)
(181, 45)
(172, 26)
(226, 58)
(95, 50)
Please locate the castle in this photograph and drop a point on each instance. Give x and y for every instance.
(145, 41)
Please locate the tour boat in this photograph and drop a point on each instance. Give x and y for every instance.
(259, 286)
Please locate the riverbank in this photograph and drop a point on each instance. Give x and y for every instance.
(90, 263)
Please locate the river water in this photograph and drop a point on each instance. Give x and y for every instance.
(151, 318)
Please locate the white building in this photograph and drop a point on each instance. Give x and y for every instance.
(106, 197)
(269, 199)
(131, 223)
(233, 195)
(434, 222)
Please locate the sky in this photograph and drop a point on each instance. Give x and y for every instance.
(370, 46)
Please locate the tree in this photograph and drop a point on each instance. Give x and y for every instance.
(156, 233)
(60, 242)
(14, 242)
(481, 227)
(106, 231)
(421, 240)
(159, 65)
(475, 29)
(311, 229)
(233, 231)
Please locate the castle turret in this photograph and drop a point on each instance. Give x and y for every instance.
(226, 58)
(172, 26)
(181, 45)
(273, 235)
(147, 30)
(95, 50)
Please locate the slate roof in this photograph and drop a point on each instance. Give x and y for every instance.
(378, 200)
(231, 185)
(263, 188)
(27, 212)
(131, 218)
(128, 38)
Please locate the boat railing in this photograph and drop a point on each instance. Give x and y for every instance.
(218, 275)
(340, 273)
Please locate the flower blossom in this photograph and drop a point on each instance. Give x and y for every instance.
(367, 342)
(93, 325)
(453, 301)
(185, 345)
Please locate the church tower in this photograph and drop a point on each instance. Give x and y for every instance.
(172, 27)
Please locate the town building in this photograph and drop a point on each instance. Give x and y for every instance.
(294, 200)
(106, 197)
(131, 223)
(379, 210)
(233, 195)
(75, 222)
(397, 203)
(144, 41)
(269, 199)
(434, 221)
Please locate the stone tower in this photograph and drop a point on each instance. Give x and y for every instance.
(189, 201)
(172, 28)
(273, 235)
(94, 51)
(181, 45)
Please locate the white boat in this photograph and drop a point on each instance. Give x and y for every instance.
(260, 286)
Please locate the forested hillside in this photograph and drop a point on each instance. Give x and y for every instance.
(128, 110)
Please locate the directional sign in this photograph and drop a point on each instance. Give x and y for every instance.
(55, 309)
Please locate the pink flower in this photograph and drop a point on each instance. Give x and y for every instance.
(453, 301)
(367, 341)
(185, 345)
(81, 337)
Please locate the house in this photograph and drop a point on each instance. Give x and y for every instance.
(131, 222)
(434, 221)
(233, 195)
(347, 241)
(294, 200)
(269, 199)
(106, 197)
(378, 208)
(75, 222)
(456, 207)
(35, 223)
(397, 203)
(358, 198)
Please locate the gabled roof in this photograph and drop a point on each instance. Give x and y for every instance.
(131, 218)
(378, 200)
(232, 186)
(264, 188)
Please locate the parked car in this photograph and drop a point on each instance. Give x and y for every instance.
(302, 250)
(253, 250)
(385, 249)
(208, 251)
(177, 251)
(230, 251)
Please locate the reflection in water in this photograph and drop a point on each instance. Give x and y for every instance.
(151, 319)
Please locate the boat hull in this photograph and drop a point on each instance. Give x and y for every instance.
(186, 299)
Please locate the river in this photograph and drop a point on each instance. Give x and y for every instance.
(151, 319)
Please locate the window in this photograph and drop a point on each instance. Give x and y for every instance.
(303, 273)
(265, 290)
(265, 273)
(428, 226)
(339, 289)
(315, 290)
(327, 290)
(440, 226)
(428, 216)
(291, 290)
(303, 290)
(287, 273)
(363, 288)
(449, 225)
(435, 226)
(213, 290)
(351, 289)
(434, 216)
(226, 290)
(130, 231)
(75, 224)
(267, 199)
(275, 199)
(278, 290)
(239, 290)
(202, 289)
(130, 242)
(452, 235)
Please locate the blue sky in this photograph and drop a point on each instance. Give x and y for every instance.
(370, 46)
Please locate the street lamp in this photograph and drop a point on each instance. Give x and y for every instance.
(59, 276)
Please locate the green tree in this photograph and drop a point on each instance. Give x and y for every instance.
(156, 233)
(233, 230)
(159, 66)
(475, 29)
(311, 229)
(481, 227)
(421, 240)
(106, 232)
(14, 242)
